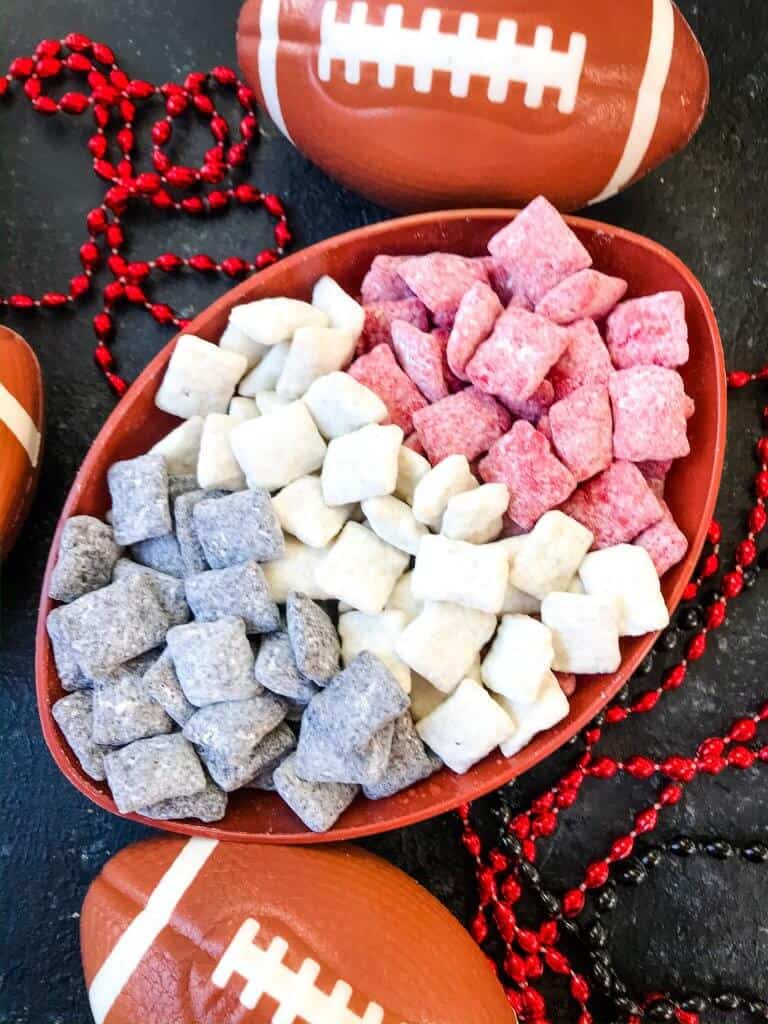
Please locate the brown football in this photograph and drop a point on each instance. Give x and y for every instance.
(488, 102)
(21, 424)
(197, 932)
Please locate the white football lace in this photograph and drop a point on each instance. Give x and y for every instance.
(462, 54)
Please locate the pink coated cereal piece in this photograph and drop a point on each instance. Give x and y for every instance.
(649, 331)
(689, 407)
(379, 371)
(413, 441)
(421, 356)
(648, 414)
(544, 427)
(616, 506)
(533, 408)
(466, 423)
(655, 470)
(537, 480)
(509, 526)
(516, 358)
(383, 283)
(503, 283)
(582, 431)
(440, 279)
(478, 311)
(539, 250)
(567, 681)
(665, 542)
(585, 361)
(657, 486)
(587, 294)
(377, 328)
(452, 382)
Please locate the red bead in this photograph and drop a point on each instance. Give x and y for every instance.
(247, 194)
(139, 90)
(162, 200)
(556, 961)
(697, 647)
(674, 677)
(53, 300)
(683, 1017)
(237, 154)
(265, 258)
(671, 795)
(219, 128)
(579, 989)
(127, 110)
(21, 301)
(162, 313)
(479, 928)
(117, 264)
(77, 41)
(733, 583)
(79, 63)
(543, 802)
(125, 169)
(515, 1000)
(505, 921)
(45, 105)
(212, 174)
(214, 155)
(168, 262)
(646, 820)
(741, 757)
(534, 1003)
(103, 54)
(97, 145)
(621, 848)
(646, 701)
(249, 127)
(245, 97)
(691, 591)
(528, 941)
(48, 48)
(743, 730)
(103, 356)
(233, 266)
(545, 824)
(548, 933)
(710, 566)
(119, 79)
(202, 262)
(195, 81)
(498, 861)
(101, 115)
(534, 968)
(113, 292)
(511, 889)
(746, 553)
(514, 966)
(79, 285)
(472, 844)
(193, 204)
(713, 764)
(22, 67)
(74, 102)
(603, 768)
(640, 767)
(218, 200)
(172, 89)
(616, 714)
(567, 798)
(182, 177)
(573, 902)
(161, 132)
(283, 234)
(714, 532)
(103, 326)
(48, 67)
(274, 204)
(148, 183)
(118, 385)
(486, 884)
(716, 614)
(115, 236)
(761, 482)
(680, 768)
(138, 271)
(224, 76)
(135, 294)
(738, 379)
(105, 170)
(596, 874)
(33, 88)
(176, 104)
(529, 850)
(125, 139)
(713, 746)
(592, 736)
(4, 85)
(106, 94)
(757, 519)
(90, 256)
(203, 104)
(161, 161)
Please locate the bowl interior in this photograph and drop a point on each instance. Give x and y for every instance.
(692, 490)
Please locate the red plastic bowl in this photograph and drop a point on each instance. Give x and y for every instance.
(692, 490)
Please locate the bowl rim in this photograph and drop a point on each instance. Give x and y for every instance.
(548, 743)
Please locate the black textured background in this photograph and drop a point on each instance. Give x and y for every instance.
(698, 925)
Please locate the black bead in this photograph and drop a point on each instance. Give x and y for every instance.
(755, 853)
(598, 721)
(601, 956)
(721, 849)
(550, 902)
(694, 1003)
(602, 976)
(628, 1006)
(651, 857)
(664, 1009)
(632, 872)
(749, 576)
(597, 936)
(691, 617)
(619, 988)
(511, 844)
(569, 926)
(646, 665)
(759, 1009)
(530, 872)
(623, 698)
(682, 846)
(607, 899)
(727, 1001)
(669, 639)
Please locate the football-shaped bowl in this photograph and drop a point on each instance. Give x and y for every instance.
(21, 425)
(271, 934)
(483, 103)
(136, 424)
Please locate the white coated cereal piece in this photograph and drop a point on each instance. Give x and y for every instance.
(515, 601)
(549, 708)
(438, 486)
(340, 308)
(466, 727)
(268, 401)
(315, 352)
(393, 521)
(576, 587)
(473, 575)
(235, 340)
(442, 642)
(475, 670)
(550, 556)
(302, 512)
(361, 569)
(266, 374)
(475, 516)
(402, 598)
(585, 632)
(242, 409)
(217, 467)
(295, 571)
(627, 573)
(271, 321)
(411, 468)
(276, 449)
(424, 697)
(378, 634)
(519, 660)
(361, 465)
(200, 378)
(181, 447)
(340, 404)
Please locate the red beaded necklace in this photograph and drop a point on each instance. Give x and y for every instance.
(112, 97)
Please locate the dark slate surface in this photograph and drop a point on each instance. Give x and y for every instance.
(696, 925)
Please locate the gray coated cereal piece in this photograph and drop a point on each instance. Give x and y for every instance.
(163, 554)
(318, 804)
(170, 589)
(74, 716)
(234, 773)
(139, 490)
(87, 556)
(70, 674)
(148, 771)
(190, 548)
(161, 683)
(210, 805)
(409, 761)
(314, 639)
(239, 528)
(276, 669)
(319, 758)
(239, 590)
(123, 711)
(357, 704)
(181, 484)
(110, 626)
(239, 739)
(213, 661)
